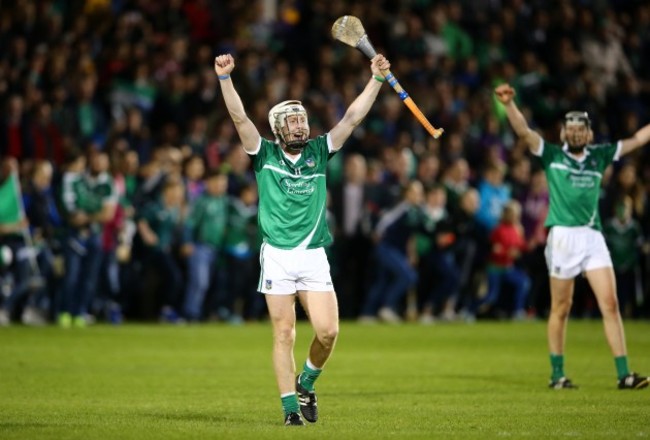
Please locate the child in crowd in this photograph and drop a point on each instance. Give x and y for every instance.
(158, 223)
(242, 243)
(625, 241)
(508, 244)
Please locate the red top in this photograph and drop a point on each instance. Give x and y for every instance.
(48, 143)
(15, 141)
(507, 244)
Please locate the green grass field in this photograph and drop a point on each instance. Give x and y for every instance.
(486, 380)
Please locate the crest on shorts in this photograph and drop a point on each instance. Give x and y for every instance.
(556, 269)
(310, 162)
(268, 284)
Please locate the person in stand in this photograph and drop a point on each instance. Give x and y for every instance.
(508, 243)
(87, 206)
(395, 257)
(624, 238)
(205, 233)
(438, 261)
(157, 224)
(575, 242)
(291, 178)
(45, 225)
(241, 250)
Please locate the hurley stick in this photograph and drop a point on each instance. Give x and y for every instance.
(349, 30)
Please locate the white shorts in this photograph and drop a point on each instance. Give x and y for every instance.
(571, 250)
(284, 272)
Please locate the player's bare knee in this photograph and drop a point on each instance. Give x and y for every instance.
(561, 308)
(609, 306)
(328, 336)
(285, 335)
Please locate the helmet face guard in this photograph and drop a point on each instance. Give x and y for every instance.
(278, 116)
(576, 119)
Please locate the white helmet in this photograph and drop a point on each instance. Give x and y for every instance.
(278, 122)
(577, 117)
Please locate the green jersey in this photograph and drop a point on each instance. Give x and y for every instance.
(241, 237)
(623, 241)
(102, 188)
(208, 218)
(574, 184)
(76, 195)
(163, 222)
(292, 196)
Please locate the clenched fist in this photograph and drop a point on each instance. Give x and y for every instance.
(224, 64)
(378, 64)
(505, 94)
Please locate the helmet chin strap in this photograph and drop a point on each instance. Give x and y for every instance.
(576, 149)
(295, 145)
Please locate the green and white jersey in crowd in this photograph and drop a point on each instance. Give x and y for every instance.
(103, 188)
(76, 195)
(574, 184)
(292, 196)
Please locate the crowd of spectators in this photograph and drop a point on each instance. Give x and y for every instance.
(141, 203)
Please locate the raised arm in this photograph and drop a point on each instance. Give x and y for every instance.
(506, 94)
(250, 137)
(639, 139)
(361, 105)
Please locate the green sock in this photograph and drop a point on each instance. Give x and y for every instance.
(290, 403)
(557, 366)
(621, 366)
(309, 375)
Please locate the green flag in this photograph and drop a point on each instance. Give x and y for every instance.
(11, 209)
